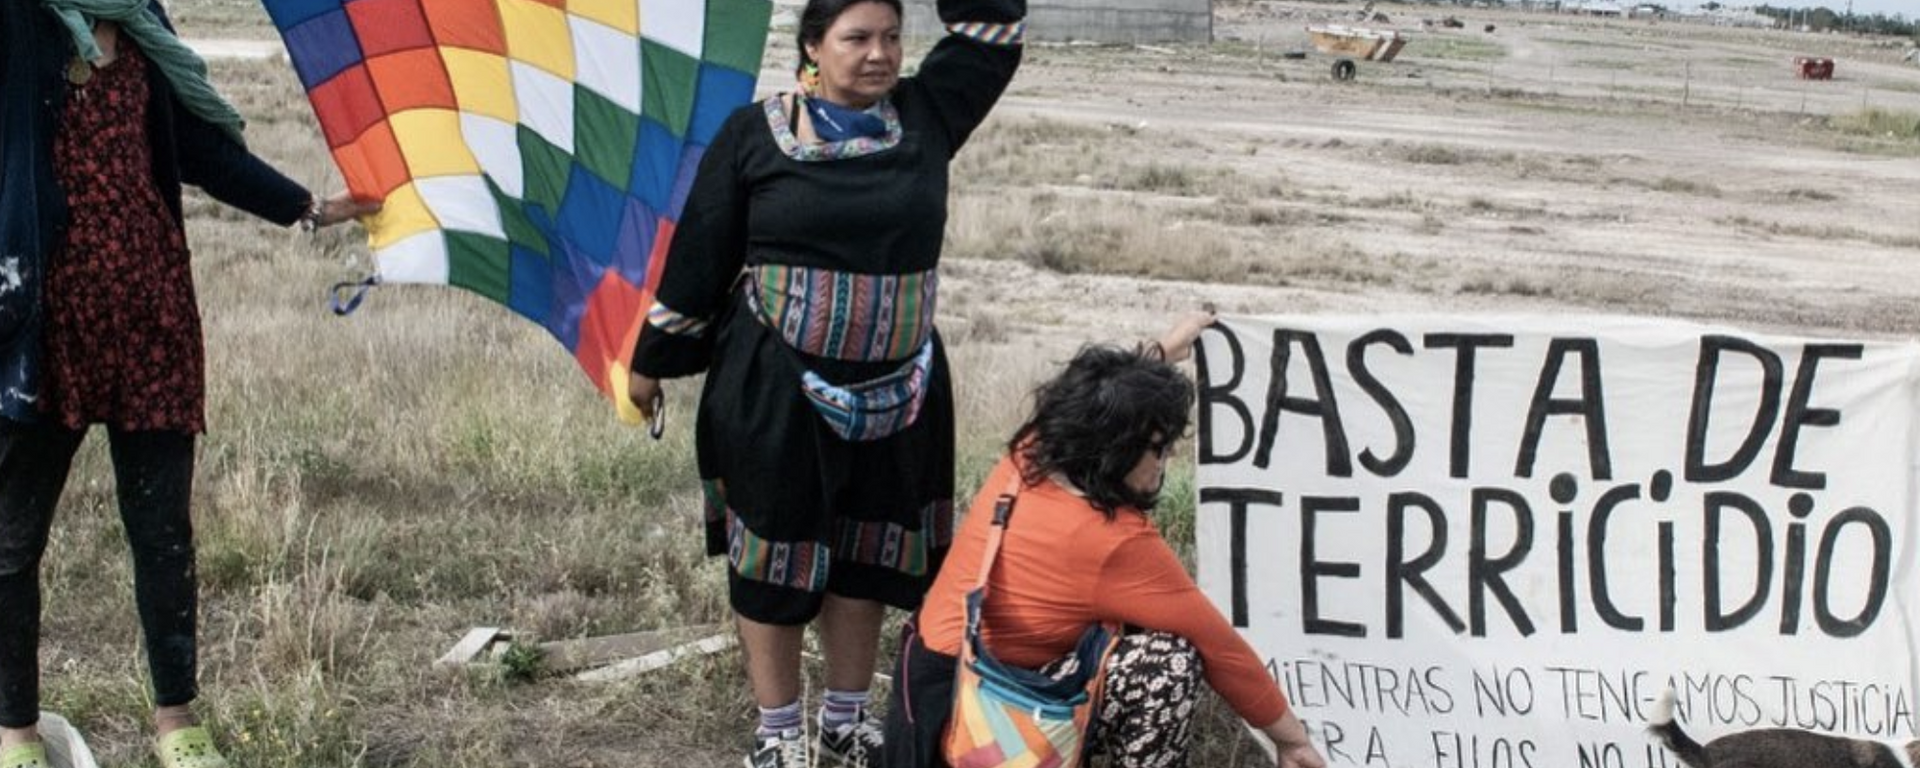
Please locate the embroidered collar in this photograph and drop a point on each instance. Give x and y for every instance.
(782, 126)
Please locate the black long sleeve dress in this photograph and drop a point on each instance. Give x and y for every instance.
(802, 276)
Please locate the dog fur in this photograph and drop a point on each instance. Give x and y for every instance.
(1775, 747)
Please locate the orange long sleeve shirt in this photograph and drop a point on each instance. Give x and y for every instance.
(1062, 566)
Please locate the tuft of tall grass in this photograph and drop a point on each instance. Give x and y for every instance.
(1879, 123)
(1049, 153)
(1454, 48)
(1824, 232)
(1090, 234)
(1434, 154)
(1157, 177)
(1513, 286)
(302, 719)
(1681, 186)
(1807, 193)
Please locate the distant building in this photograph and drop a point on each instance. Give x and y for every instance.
(1101, 21)
(1609, 8)
(1725, 16)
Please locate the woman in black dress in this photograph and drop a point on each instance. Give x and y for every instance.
(803, 280)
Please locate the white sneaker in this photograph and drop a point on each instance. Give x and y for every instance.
(853, 746)
(786, 749)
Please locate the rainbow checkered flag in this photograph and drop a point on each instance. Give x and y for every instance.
(536, 152)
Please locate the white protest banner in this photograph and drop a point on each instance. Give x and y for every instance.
(1493, 542)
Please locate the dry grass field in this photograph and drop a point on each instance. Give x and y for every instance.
(373, 486)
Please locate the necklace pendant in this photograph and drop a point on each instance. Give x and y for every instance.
(79, 71)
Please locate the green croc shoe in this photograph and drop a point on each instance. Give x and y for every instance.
(188, 748)
(25, 756)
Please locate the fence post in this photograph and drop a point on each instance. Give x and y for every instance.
(1686, 88)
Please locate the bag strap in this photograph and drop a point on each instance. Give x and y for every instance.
(1002, 513)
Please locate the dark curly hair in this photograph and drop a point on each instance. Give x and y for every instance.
(1093, 422)
(819, 16)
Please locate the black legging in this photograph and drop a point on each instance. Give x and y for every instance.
(153, 474)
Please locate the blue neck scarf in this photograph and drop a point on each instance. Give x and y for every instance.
(834, 123)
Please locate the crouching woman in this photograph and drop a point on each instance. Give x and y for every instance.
(1080, 549)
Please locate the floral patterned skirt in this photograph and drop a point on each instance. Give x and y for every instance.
(122, 337)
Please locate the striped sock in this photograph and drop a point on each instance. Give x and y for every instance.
(841, 709)
(777, 720)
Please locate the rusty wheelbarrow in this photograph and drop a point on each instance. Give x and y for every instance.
(1350, 43)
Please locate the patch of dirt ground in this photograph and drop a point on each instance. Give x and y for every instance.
(1556, 164)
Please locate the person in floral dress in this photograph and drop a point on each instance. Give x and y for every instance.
(106, 115)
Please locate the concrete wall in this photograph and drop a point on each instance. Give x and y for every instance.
(1102, 21)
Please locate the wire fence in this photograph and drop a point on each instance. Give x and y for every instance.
(1706, 85)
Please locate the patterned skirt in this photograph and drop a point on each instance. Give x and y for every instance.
(800, 512)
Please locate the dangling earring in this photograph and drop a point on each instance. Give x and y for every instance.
(810, 79)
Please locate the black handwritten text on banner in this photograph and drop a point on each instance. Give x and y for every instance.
(1493, 542)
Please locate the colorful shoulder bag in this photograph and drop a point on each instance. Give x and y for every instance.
(1005, 715)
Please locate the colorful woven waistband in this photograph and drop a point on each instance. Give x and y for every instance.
(846, 315)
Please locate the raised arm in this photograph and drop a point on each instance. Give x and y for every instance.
(970, 67)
